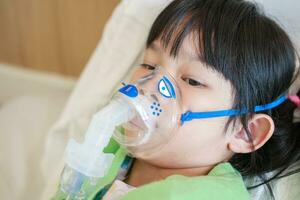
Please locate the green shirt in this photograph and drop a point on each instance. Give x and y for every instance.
(222, 182)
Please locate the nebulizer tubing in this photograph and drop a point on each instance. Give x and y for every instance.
(87, 160)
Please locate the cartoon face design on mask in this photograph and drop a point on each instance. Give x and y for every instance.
(157, 111)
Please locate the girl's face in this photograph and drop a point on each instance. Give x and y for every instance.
(200, 142)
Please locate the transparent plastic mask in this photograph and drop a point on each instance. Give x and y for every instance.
(156, 99)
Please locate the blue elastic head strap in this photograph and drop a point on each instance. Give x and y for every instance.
(188, 116)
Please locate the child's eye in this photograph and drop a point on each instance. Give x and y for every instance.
(192, 82)
(148, 66)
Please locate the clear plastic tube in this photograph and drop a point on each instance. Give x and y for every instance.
(86, 162)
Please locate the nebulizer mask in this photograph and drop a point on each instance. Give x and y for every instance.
(156, 109)
(142, 117)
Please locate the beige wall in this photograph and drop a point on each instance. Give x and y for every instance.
(52, 35)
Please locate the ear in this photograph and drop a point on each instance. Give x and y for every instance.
(261, 127)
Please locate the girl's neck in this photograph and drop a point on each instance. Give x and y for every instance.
(143, 173)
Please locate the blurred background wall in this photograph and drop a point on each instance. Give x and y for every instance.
(51, 35)
(60, 35)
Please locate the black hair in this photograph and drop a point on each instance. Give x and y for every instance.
(236, 39)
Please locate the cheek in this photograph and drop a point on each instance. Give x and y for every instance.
(197, 143)
(137, 74)
(200, 137)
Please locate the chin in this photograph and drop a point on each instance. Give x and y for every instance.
(156, 158)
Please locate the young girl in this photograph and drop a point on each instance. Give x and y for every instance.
(233, 67)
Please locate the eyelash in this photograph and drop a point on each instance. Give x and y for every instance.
(192, 82)
(189, 81)
(148, 66)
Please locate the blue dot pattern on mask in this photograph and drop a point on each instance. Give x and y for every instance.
(156, 109)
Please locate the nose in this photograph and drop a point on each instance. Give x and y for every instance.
(159, 90)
